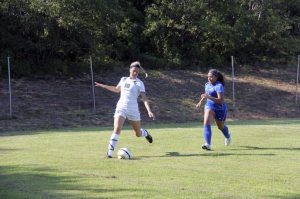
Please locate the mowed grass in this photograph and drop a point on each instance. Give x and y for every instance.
(263, 161)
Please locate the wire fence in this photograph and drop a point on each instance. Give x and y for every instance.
(57, 102)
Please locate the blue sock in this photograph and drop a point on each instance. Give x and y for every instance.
(207, 134)
(225, 132)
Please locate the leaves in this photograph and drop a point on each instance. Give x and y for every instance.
(183, 33)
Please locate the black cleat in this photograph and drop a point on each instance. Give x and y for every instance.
(206, 147)
(108, 156)
(149, 137)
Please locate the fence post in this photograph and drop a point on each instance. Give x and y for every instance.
(9, 87)
(297, 81)
(93, 87)
(233, 88)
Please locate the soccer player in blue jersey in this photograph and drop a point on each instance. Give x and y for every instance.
(215, 107)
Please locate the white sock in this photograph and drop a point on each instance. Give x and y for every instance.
(143, 132)
(112, 143)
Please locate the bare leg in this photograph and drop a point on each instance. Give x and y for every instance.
(136, 125)
(118, 124)
(139, 132)
(220, 124)
(208, 116)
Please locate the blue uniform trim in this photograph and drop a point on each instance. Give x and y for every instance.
(207, 134)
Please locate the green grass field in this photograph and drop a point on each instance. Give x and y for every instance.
(263, 161)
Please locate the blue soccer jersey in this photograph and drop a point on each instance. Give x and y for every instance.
(219, 109)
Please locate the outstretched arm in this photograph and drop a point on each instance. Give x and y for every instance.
(146, 103)
(115, 89)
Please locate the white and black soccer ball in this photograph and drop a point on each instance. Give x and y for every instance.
(124, 153)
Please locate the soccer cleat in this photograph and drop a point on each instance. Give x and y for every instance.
(227, 141)
(206, 147)
(108, 156)
(149, 137)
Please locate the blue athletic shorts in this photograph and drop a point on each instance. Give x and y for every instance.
(220, 114)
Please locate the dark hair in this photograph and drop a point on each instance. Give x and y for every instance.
(218, 75)
(135, 64)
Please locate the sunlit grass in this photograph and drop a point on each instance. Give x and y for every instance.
(262, 162)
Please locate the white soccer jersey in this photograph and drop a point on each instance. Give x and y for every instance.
(130, 91)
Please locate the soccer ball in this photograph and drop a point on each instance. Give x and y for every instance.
(124, 153)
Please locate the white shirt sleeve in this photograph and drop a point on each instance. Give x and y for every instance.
(121, 80)
(142, 86)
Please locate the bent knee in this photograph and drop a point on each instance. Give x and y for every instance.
(221, 127)
(138, 134)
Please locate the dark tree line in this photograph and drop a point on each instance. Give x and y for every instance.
(59, 36)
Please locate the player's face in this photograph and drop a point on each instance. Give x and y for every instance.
(134, 71)
(211, 78)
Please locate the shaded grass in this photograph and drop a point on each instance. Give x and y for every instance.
(262, 162)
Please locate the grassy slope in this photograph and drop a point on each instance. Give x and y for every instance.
(262, 162)
(67, 102)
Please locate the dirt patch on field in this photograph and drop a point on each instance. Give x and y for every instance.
(48, 102)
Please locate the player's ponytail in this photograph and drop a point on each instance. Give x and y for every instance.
(218, 74)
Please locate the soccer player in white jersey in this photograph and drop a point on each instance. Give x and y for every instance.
(215, 107)
(130, 88)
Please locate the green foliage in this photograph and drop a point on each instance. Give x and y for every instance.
(155, 62)
(177, 33)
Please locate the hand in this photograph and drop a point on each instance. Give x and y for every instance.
(99, 85)
(151, 115)
(204, 96)
(200, 102)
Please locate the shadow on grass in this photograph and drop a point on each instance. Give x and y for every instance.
(6, 150)
(267, 148)
(44, 182)
(292, 196)
(208, 153)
